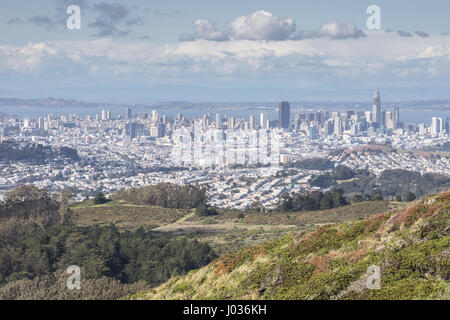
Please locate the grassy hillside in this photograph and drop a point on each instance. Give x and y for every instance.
(229, 230)
(411, 246)
(126, 216)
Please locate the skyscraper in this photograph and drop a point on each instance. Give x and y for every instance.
(252, 122)
(128, 113)
(218, 121)
(396, 116)
(284, 115)
(263, 120)
(436, 125)
(376, 108)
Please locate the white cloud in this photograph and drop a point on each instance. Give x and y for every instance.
(205, 29)
(380, 54)
(340, 30)
(261, 25)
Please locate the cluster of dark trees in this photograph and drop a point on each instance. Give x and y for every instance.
(36, 153)
(166, 195)
(205, 210)
(38, 238)
(312, 164)
(311, 201)
(390, 183)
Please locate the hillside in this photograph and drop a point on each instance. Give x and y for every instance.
(411, 246)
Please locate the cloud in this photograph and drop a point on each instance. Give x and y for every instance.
(206, 30)
(43, 21)
(422, 34)
(15, 21)
(340, 30)
(378, 56)
(404, 34)
(186, 37)
(111, 15)
(261, 25)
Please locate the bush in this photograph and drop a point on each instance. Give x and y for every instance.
(205, 210)
(100, 198)
(410, 197)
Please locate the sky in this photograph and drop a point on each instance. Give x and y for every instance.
(140, 51)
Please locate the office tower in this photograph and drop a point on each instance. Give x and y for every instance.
(297, 123)
(313, 133)
(127, 113)
(218, 121)
(335, 114)
(2, 118)
(311, 116)
(338, 127)
(436, 125)
(41, 123)
(103, 114)
(263, 120)
(389, 120)
(368, 116)
(50, 117)
(252, 122)
(108, 115)
(157, 130)
(155, 116)
(231, 123)
(396, 116)
(284, 115)
(329, 127)
(26, 123)
(320, 118)
(131, 129)
(383, 118)
(422, 129)
(376, 108)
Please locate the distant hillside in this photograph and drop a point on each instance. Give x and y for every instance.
(411, 247)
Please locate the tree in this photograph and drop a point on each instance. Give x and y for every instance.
(377, 196)
(357, 198)
(410, 197)
(398, 198)
(100, 198)
(205, 210)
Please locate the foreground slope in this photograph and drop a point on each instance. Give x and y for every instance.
(410, 246)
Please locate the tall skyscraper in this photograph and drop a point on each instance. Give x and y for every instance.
(218, 121)
(127, 113)
(263, 120)
(376, 108)
(396, 116)
(338, 127)
(252, 122)
(284, 115)
(41, 123)
(436, 125)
